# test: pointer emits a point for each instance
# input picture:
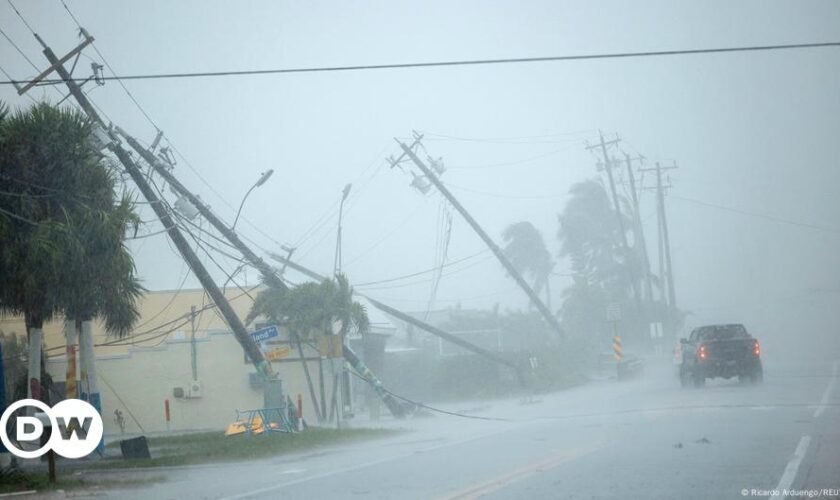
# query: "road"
(644, 438)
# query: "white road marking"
(793, 466)
(292, 471)
(824, 401)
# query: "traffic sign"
(263, 334)
(613, 312)
(618, 349)
(279, 353)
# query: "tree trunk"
(548, 294)
(71, 334)
(308, 379)
(89, 390)
(36, 336)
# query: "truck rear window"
(723, 332)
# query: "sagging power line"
(468, 62)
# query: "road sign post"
(263, 334)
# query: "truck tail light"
(701, 353)
(756, 348)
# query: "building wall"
(137, 373)
(138, 382)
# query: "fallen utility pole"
(163, 214)
(535, 299)
(407, 318)
(270, 274)
(442, 334)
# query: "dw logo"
(76, 428)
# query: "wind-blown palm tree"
(526, 249)
(308, 311)
(603, 271)
(62, 246)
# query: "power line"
(19, 51)
(468, 62)
(507, 139)
(425, 271)
(427, 280)
(154, 124)
(757, 214)
(171, 300)
(108, 65)
(20, 16)
(390, 233)
(510, 197)
(509, 163)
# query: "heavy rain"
(419, 250)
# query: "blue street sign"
(264, 334)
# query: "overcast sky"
(755, 132)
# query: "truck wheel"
(699, 380)
(684, 378)
(757, 375)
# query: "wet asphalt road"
(644, 438)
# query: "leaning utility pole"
(535, 299)
(663, 226)
(608, 167)
(162, 213)
(639, 229)
(267, 271)
(270, 274)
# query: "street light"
(342, 380)
(263, 177)
(337, 264)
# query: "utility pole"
(623, 240)
(535, 299)
(663, 227)
(270, 274)
(639, 229)
(666, 241)
(267, 271)
(162, 213)
(193, 354)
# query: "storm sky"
(755, 133)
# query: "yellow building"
(140, 373)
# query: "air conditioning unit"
(195, 389)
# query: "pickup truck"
(720, 351)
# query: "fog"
(749, 131)
(752, 208)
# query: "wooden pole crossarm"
(88, 40)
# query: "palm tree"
(526, 249)
(603, 272)
(589, 236)
(63, 250)
(308, 311)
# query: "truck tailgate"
(729, 350)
